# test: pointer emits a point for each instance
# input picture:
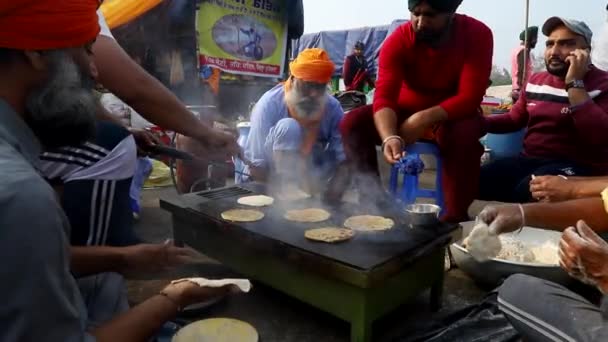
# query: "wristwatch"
(578, 84)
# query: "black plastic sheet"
(474, 323)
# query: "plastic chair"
(409, 190)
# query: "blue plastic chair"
(409, 188)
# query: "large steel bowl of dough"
(493, 272)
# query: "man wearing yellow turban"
(46, 100)
(297, 122)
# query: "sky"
(506, 18)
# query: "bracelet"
(523, 217)
(166, 295)
(580, 105)
(389, 138)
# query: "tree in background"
(500, 76)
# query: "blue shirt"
(39, 296)
(271, 108)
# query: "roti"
(242, 215)
(368, 223)
(307, 215)
(329, 234)
(256, 201)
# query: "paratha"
(256, 201)
(368, 223)
(329, 234)
(243, 284)
(242, 215)
(307, 215)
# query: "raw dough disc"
(256, 201)
(242, 215)
(368, 223)
(217, 330)
(307, 215)
(329, 234)
(243, 284)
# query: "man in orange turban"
(46, 100)
(294, 126)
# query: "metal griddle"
(357, 280)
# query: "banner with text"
(243, 36)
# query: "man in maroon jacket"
(432, 76)
(565, 112)
(354, 70)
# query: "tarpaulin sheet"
(339, 44)
(119, 12)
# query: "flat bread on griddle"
(256, 201)
(368, 223)
(329, 234)
(242, 215)
(307, 215)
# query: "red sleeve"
(346, 75)
(512, 121)
(390, 71)
(591, 121)
(474, 75)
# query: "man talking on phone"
(565, 113)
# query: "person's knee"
(286, 135)
(513, 287)
(356, 122)
(461, 136)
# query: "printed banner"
(243, 36)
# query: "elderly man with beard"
(40, 297)
(433, 73)
(565, 113)
(294, 126)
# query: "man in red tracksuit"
(432, 76)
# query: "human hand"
(584, 255)
(226, 143)
(146, 259)
(551, 188)
(144, 138)
(393, 150)
(187, 293)
(579, 65)
(503, 218)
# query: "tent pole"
(525, 69)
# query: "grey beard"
(61, 112)
(305, 108)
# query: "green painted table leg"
(361, 330)
(437, 290)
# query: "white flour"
(515, 250)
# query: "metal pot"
(423, 214)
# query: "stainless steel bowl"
(423, 214)
(492, 272)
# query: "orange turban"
(47, 24)
(312, 65)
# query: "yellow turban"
(312, 65)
